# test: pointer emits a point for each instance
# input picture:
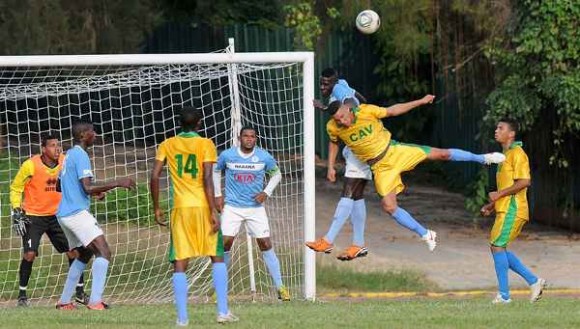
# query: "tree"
(539, 73)
(74, 27)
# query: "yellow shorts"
(399, 158)
(506, 228)
(192, 236)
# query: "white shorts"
(256, 221)
(354, 167)
(80, 229)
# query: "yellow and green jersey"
(366, 137)
(516, 166)
(185, 155)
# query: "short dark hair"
(329, 72)
(244, 128)
(45, 138)
(190, 118)
(350, 101)
(513, 124)
(79, 127)
(333, 107)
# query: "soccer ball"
(368, 21)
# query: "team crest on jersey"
(255, 158)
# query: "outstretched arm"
(402, 108)
(92, 189)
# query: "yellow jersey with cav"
(366, 137)
(516, 166)
(185, 155)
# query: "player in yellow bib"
(194, 224)
(511, 207)
(361, 129)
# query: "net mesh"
(133, 109)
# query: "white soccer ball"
(368, 21)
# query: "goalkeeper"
(36, 213)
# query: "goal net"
(132, 101)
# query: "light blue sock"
(100, 268)
(500, 260)
(461, 155)
(273, 265)
(406, 220)
(517, 266)
(227, 258)
(220, 282)
(343, 210)
(180, 293)
(74, 273)
(358, 218)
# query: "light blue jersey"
(77, 166)
(342, 91)
(245, 175)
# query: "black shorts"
(40, 225)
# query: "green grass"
(343, 280)
(416, 313)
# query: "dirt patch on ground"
(461, 259)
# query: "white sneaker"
(225, 318)
(430, 239)
(499, 300)
(536, 290)
(181, 324)
(494, 157)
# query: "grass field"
(359, 313)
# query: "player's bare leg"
(228, 242)
(273, 265)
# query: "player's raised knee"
(264, 244)
(389, 203)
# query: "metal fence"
(457, 121)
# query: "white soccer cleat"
(499, 300)
(537, 289)
(430, 239)
(225, 318)
(495, 157)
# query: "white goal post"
(132, 100)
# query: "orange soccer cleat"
(320, 245)
(353, 252)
